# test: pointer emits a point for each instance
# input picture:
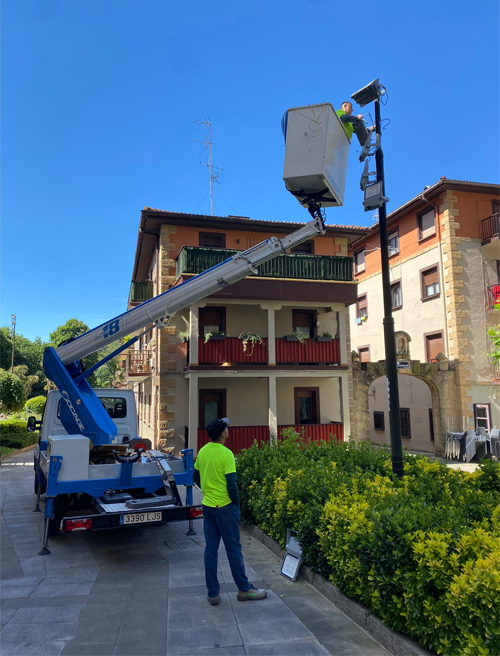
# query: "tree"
(69, 330)
(106, 375)
(28, 381)
(28, 353)
(12, 395)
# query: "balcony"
(317, 432)
(138, 366)
(140, 291)
(309, 352)
(230, 349)
(493, 296)
(490, 228)
(193, 260)
(240, 437)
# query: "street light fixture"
(375, 198)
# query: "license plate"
(140, 518)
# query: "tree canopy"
(12, 394)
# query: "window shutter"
(435, 345)
(427, 224)
(430, 276)
(364, 355)
(360, 261)
(362, 302)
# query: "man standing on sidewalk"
(215, 474)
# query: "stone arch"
(438, 376)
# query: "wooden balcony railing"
(138, 363)
(240, 437)
(230, 349)
(490, 227)
(140, 291)
(309, 352)
(493, 295)
(193, 259)
(317, 432)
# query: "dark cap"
(217, 427)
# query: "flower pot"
(216, 338)
(291, 338)
(320, 338)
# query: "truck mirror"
(31, 424)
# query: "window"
(482, 416)
(115, 407)
(364, 353)
(212, 240)
(431, 425)
(430, 282)
(393, 243)
(306, 248)
(397, 298)
(304, 322)
(359, 261)
(426, 224)
(404, 413)
(362, 307)
(306, 405)
(212, 320)
(379, 421)
(434, 344)
(212, 406)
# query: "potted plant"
(249, 341)
(325, 337)
(219, 335)
(296, 337)
(183, 336)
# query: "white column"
(271, 330)
(344, 404)
(273, 406)
(193, 336)
(342, 336)
(193, 412)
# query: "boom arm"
(83, 412)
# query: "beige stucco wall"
(246, 399)
(245, 318)
(488, 394)
(329, 398)
(284, 325)
(413, 394)
(146, 413)
(415, 317)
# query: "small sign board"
(293, 557)
(403, 364)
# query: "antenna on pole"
(208, 144)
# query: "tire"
(140, 442)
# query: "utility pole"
(208, 144)
(12, 330)
(375, 198)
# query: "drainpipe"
(441, 268)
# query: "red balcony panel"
(230, 349)
(318, 432)
(310, 352)
(240, 437)
(493, 295)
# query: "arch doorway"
(415, 401)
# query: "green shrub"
(422, 552)
(36, 404)
(12, 394)
(13, 426)
(18, 440)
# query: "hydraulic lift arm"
(82, 412)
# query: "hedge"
(18, 440)
(423, 552)
(13, 426)
(36, 404)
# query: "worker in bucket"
(348, 120)
(215, 474)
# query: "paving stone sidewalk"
(141, 591)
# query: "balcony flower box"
(291, 338)
(322, 338)
(215, 338)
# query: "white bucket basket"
(317, 151)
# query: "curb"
(395, 643)
(14, 453)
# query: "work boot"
(252, 593)
(214, 601)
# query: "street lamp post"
(376, 190)
(12, 329)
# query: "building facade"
(444, 260)
(270, 351)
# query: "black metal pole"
(391, 366)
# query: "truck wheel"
(139, 443)
(43, 486)
(60, 506)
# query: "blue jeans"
(223, 523)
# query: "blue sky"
(99, 102)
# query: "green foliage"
(422, 552)
(219, 333)
(69, 330)
(12, 394)
(13, 426)
(28, 353)
(107, 374)
(249, 341)
(18, 440)
(36, 404)
(300, 337)
(493, 333)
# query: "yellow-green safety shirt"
(348, 127)
(214, 461)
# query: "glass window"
(304, 322)
(397, 299)
(393, 243)
(430, 282)
(306, 248)
(434, 344)
(359, 261)
(362, 307)
(405, 422)
(212, 240)
(426, 225)
(379, 420)
(306, 405)
(115, 407)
